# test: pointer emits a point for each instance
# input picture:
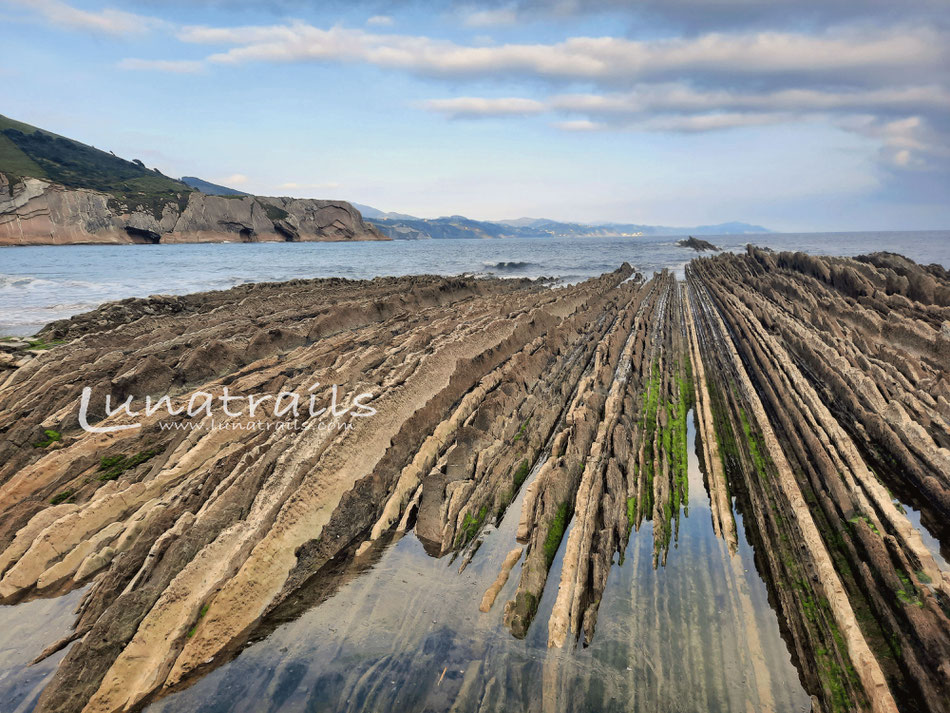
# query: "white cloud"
(681, 97)
(853, 76)
(889, 115)
(694, 83)
(491, 18)
(910, 142)
(580, 125)
(380, 21)
(108, 21)
(235, 179)
(473, 107)
(863, 55)
(678, 107)
(714, 121)
(178, 66)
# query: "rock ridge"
(821, 393)
(38, 212)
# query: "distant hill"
(211, 189)
(456, 227)
(156, 202)
(370, 212)
(524, 222)
(54, 190)
(26, 151)
(731, 228)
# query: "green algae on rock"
(554, 436)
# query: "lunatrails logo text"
(285, 405)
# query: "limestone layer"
(818, 389)
(37, 212)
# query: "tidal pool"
(398, 630)
(28, 628)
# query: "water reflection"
(401, 631)
(28, 629)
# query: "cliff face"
(37, 212)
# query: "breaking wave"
(509, 265)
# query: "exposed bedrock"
(697, 244)
(37, 212)
(828, 408)
(817, 386)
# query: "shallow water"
(39, 284)
(28, 628)
(403, 633)
(399, 630)
(931, 542)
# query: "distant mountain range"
(401, 226)
(125, 201)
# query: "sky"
(799, 115)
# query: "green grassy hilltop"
(26, 151)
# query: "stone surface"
(35, 212)
(819, 387)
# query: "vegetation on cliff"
(26, 151)
(57, 190)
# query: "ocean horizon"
(40, 284)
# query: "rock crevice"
(818, 388)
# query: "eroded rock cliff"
(38, 212)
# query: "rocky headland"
(34, 211)
(820, 389)
(58, 191)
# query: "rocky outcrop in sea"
(697, 244)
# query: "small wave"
(29, 314)
(22, 282)
(29, 282)
(509, 265)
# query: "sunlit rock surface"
(624, 475)
(38, 212)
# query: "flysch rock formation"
(819, 388)
(696, 244)
(37, 212)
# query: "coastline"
(39, 212)
(190, 238)
(40, 284)
(815, 383)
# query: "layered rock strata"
(818, 389)
(815, 402)
(37, 212)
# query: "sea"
(39, 284)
